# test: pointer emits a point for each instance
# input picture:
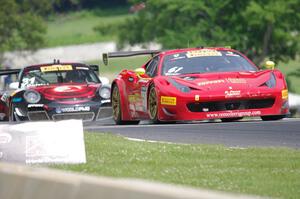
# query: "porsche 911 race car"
(197, 84)
(57, 91)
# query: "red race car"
(197, 84)
(56, 91)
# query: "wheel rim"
(116, 103)
(152, 103)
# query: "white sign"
(43, 142)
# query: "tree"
(259, 28)
(20, 28)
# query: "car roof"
(51, 64)
(170, 52)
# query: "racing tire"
(12, 117)
(153, 105)
(272, 117)
(117, 108)
(233, 119)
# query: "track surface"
(283, 133)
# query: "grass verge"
(271, 172)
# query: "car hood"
(221, 81)
(66, 91)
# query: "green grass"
(78, 27)
(271, 172)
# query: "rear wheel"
(272, 117)
(233, 119)
(117, 108)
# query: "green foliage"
(272, 172)
(20, 28)
(259, 28)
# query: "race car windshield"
(39, 77)
(205, 61)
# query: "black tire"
(272, 117)
(12, 117)
(233, 119)
(117, 109)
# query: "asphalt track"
(252, 133)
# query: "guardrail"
(19, 181)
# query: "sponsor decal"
(73, 109)
(197, 98)
(133, 98)
(4, 97)
(203, 53)
(165, 100)
(2, 116)
(234, 114)
(144, 91)
(105, 101)
(56, 68)
(67, 88)
(17, 99)
(232, 93)
(5, 138)
(237, 80)
(285, 94)
(218, 81)
(35, 105)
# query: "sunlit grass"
(271, 172)
(78, 27)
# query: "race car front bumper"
(197, 107)
(89, 111)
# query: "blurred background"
(36, 31)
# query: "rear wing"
(94, 67)
(105, 56)
(9, 71)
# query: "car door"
(142, 86)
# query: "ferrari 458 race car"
(197, 84)
(58, 91)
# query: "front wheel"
(272, 117)
(153, 105)
(117, 108)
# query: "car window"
(38, 76)
(151, 68)
(205, 61)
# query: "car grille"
(104, 112)
(80, 116)
(230, 105)
(38, 115)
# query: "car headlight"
(271, 83)
(104, 92)
(32, 96)
(182, 88)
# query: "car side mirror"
(14, 85)
(140, 71)
(269, 65)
